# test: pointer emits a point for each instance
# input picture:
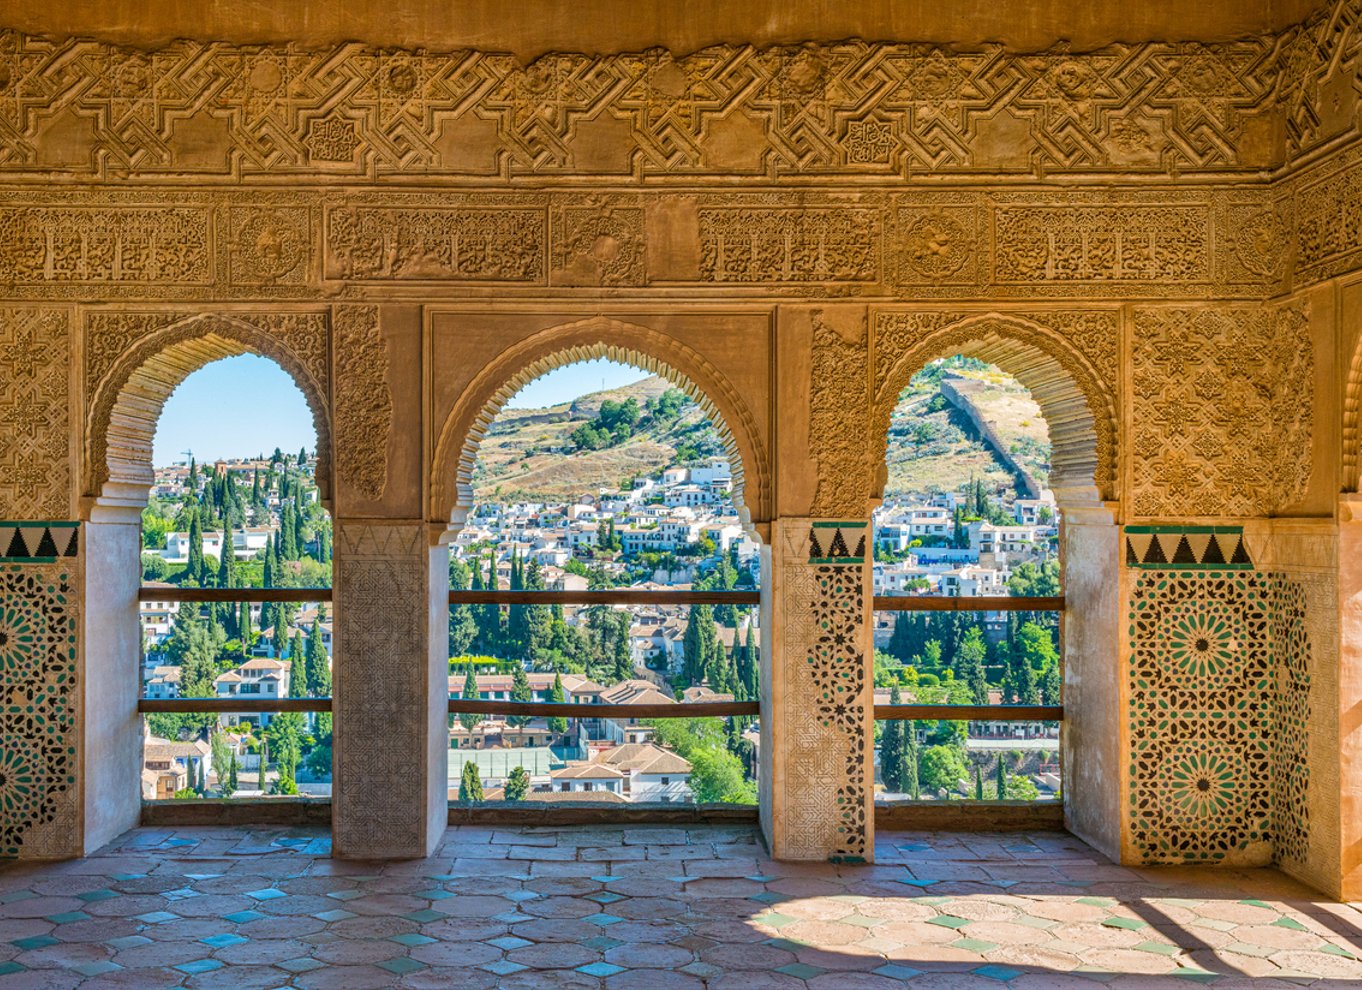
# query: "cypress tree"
(910, 757)
(298, 540)
(232, 770)
(699, 642)
(969, 664)
(478, 612)
(891, 749)
(193, 480)
(297, 666)
(1002, 779)
(520, 691)
(194, 570)
(227, 559)
(900, 640)
(470, 785)
(202, 785)
(264, 760)
(749, 672)
(516, 632)
(288, 533)
(1051, 685)
(491, 620)
(978, 782)
(558, 696)
(624, 659)
(470, 720)
(302, 457)
(318, 671)
(536, 619)
(297, 680)
(271, 562)
(517, 784)
(463, 630)
(244, 629)
(324, 544)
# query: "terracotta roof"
(586, 770)
(643, 758)
(635, 692)
(700, 692)
(163, 749)
(600, 797)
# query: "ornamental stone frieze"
(1115, 243)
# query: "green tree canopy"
(942, 768)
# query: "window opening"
(968, 596)
(236, 576)
(603, 600)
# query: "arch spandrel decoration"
(134, 361)
(599, 337)
(1078, 405)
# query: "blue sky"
(567, 383)
(248, 405)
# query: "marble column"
(390, 689)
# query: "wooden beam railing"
(234, 594)
(972, 713)
(241, 703)
(620, 596)
(549, 709)
(692, 709)
(990, 603)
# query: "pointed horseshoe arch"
(599, 337)
(1079, 408)
(1351, 480)
(126, 404)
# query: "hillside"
(933, 445)
(528, 453)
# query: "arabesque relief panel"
(35, 369)
(163, 243)
(1222, 411)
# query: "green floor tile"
(1129, 924)
(974, 945)
(948, 921)
(1158, 948)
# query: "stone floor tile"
(253, 908)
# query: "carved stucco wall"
(169, 227)
(1222, 411)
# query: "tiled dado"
(38, 656)
(1218, 681)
